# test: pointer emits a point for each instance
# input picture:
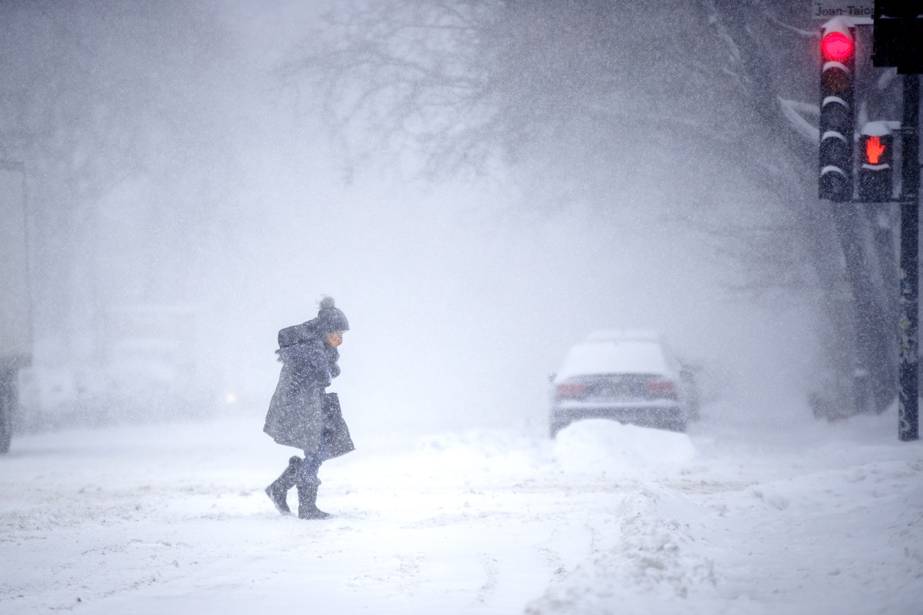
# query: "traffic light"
(898, 35)
(837, 133)
(876, 156)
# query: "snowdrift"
(599, 446)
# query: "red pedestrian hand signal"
(874, 150)
(875, 173)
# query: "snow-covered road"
(171, 518)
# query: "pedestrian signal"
(875, 168)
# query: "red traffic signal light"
(837, 47)
(837, 73)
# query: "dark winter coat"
(301, 414)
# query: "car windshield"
(614, 357)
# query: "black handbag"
(336, 440)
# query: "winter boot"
(307, 502)
(278, 489)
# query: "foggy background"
(170, 163)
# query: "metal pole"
(908, 417)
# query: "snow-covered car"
(628, 376)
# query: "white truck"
(15, 294)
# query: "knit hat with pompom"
(331, 318)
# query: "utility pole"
(898, 42)
(909, 421)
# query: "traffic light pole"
(908, 423)
(897, 35)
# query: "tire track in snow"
(646, 554)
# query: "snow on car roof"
(614, 357)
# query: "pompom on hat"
(331, 318)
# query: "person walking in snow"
(301, 414)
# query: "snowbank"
(608, 447)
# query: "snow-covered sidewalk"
(607, 519)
